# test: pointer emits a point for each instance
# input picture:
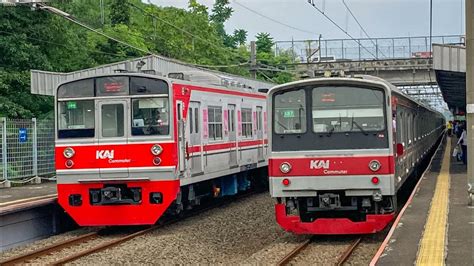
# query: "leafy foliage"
(35, 39)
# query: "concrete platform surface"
(423, 228)
(12, 195)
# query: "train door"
(232, 135)
(195, 140)
(112, 153)
(259, 121)
(181, 137)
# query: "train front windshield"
(329, 117)
(111, 100)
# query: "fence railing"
(303, 51)
(27, 148)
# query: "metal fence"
(27, 148)
(363, 49)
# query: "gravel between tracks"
(9, 253)
(242, 232)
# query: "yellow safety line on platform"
(432, 247)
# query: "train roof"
(359, 79)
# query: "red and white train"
(340, 150)
(130, 146)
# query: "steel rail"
(294, 252)
(348, 252)
(23, 258)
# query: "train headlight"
(374, 165)
(156, 150)
(285, 168)
(68, 152)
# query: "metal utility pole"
(253, 59)
(470, 96)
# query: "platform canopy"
(449, 63)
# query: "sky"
(380, 18)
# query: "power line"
(311, 2)
(361, 27)
(183, 30)
(70, 18)
(274, 20)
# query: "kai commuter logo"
(104, 154)
(319, 164)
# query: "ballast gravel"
(243, 232)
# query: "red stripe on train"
(324, 166)
(116, 156)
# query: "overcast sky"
(380, 18)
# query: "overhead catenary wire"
(184, 31)
(147, 52)
(272, 19)
(311, 2)
(361, 27)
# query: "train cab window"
(290, 112)
(76, 119)
(246, 122)
(140, 86)
(215, 122)
(77, 89)
(347, 109)
(150, 116)
(112, 120)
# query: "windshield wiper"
(359, 127)
(331, 131)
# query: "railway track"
(297, 251)
(89, 237)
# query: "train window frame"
(215, 123)
(303, 119)
(247, 125)
(150, 128)
(382, 107)
(70, 133)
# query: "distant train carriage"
(340, 149)
(131, 146)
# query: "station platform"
(27, 195)
(437, 225)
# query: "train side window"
(215, 122)
(196, 120)
(191, 121)
(259, 118)
(247, 122)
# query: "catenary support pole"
(470, 96)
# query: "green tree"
(240, 36)
(119, 12)
(264, 43)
